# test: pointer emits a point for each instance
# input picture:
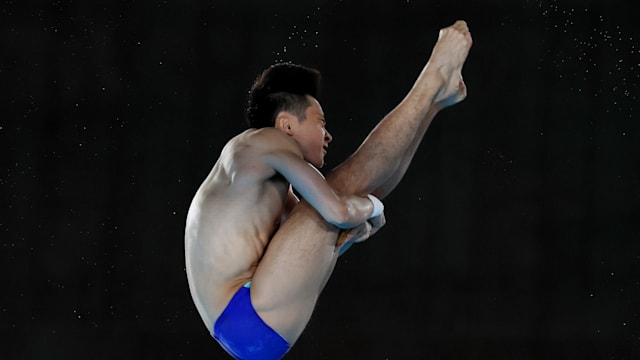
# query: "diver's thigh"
(293, 271)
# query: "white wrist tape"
(378, 206)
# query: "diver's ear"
(285, 122)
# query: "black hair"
(281, 87)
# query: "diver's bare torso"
(226, 233)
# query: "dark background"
(514, 235)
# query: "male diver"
(257, 257)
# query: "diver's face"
(312, 135)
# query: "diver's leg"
(301, 255)
(387, 151)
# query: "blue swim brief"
(243, 334)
